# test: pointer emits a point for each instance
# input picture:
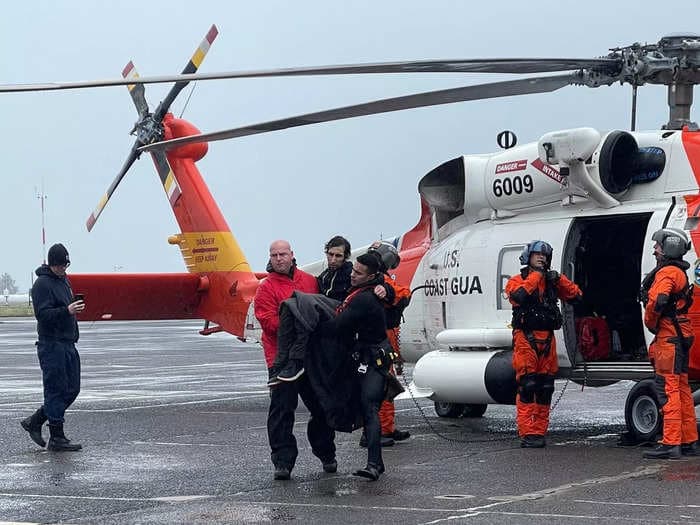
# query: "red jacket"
(268, 298)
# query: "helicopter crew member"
(360, 327)
(395, 303)
(534, 294)
(55, 309)
(667, 296)
(282, 280)
(334, 281)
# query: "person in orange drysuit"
(396, 297)
(667, 295)
(533, 294)
(395, 303)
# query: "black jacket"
(329, 367)
(335, 283)
(361, 321)
(51, 296)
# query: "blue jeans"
(60, 371)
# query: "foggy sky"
(357, 178)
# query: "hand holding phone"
(77, 305)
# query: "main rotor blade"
(133, 155)
(430, 98)
(505, 65)
(190, 68)
(137, 91)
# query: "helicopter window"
(691, 223)
(508, 266)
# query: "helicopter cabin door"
(511, 237)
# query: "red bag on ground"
(593, 338)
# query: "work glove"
(552, 276)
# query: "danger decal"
(516, 165)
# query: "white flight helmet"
(674, 242)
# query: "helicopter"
(595, 196)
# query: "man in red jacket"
(282, 280)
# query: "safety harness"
(376, 355)
(671, 309)
(535, 314)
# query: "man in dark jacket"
(360, 326)
(334, 281)
(55, 308)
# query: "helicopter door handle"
(572, 271)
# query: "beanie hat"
(58, 255)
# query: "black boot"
(664, 452)
(370, 472)
(398, 435)
(533, 441)
(58, 442)
(282, 473)
(384, 441)
(690, 449)
(33, 425)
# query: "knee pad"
(546, 390)
(527, 386)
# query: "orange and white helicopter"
(597, 197)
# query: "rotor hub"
(148, 130)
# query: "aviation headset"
(673, 241)
(536, 247)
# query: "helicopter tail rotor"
(149, 127)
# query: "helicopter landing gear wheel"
(643, 411)
(474, 410)
(451, 410)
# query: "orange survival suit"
(666, 295)
(536, 315)
(393, 311)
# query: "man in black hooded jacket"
(55, 309)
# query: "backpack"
(593, 338)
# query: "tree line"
(8, 283)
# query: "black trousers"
(60, 371)
(372, 390)
(284, 399)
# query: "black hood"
(45, 269)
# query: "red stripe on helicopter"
(174, 196)
(516, 165)
(211, 35)
(548, 170)
(205, 250)
(127, 69)
(691, 144)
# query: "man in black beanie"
(55, 308)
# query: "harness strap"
(533, 343)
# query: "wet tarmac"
(173, 429)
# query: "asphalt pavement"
(173, 429)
